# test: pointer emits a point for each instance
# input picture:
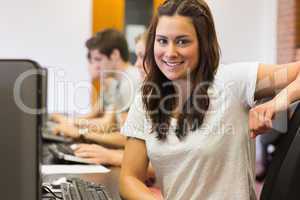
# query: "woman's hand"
(260, 118)
(97, 154)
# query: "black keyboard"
(60, 148)
(48, 135)
(78, 189)
(63, 153)
(65, 148)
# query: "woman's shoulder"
(238, 79)
(137, 123)
(235, 71)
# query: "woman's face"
(176, 45)
(140, 53)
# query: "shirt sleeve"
(244, 78)
(136, 123)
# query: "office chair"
(283, 178)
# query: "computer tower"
(20, 120)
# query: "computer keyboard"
(63, 152)
(47, 135)
(60, 149)
(64, 148)
(78, 189)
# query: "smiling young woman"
(174, 46)
(193, 116)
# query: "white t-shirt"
(121, 91)
(216, 161)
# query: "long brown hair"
(191, 117)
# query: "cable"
(51, 192)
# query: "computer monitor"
(44, 94)
(283, 177)
(20, 91)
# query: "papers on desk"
(73, 169)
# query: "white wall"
(246, 29)
(53, 33)
(247, 32)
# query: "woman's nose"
(171, 51)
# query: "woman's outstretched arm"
(279, 81)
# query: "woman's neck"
(183, 89)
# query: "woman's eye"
(162, 41)
(182, 42)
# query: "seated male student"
(97, 153)
(108, 57)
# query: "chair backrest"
(283, 178)
(20, 96)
